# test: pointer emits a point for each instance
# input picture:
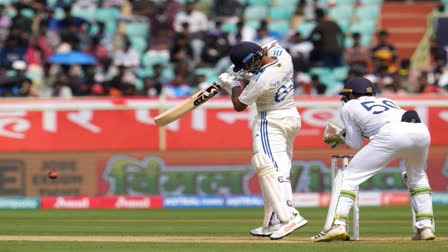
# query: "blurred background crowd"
(66, 48)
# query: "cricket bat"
(188, 105)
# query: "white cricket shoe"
(335, 233)
(286, 228)
(424, 234)
(265, 232)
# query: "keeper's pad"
(270, 187)
(335, 192)
(412, 193)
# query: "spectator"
(127, 56)
(227, 10)
(263, 37)
(327, 38)
(60, 90)
(384, 54)
(36, 56)
(11, 52)
(105, 39)
(158, 79)
(300, 50)
(24, 83)
(50, 20)
(5, 23)
(395, 87)
(90, 87)
(317, 87)
(197, 25)
(147, 11)
(97, 50)
(181, 50)
(22, 23)
(197, 21)
(216, 47)
(170, 10)
(177, 88)
(357, 56)
(150, 88)
(70, 20)
(246, 33)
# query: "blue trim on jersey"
(273, 63)
(257, 76)
(265, 139)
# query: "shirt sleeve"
(278, 52)
(254, 89)
(353, 137)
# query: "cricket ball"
(52, 175)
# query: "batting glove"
(241, 74)
(228, 82)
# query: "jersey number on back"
(384, 105)
(283, 91)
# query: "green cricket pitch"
(381, 229)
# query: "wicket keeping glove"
(335, 139)
(228, 82)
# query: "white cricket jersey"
(272, 88)
(365, 116)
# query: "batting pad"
(270, 186)
(335, 191)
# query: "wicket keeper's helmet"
(358, 86)
(246, 53)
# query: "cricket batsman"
(274, 129)
(393, 133)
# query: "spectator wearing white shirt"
(127, 56)
(197, 26)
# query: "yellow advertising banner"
(26, 174)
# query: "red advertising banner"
(132, 202)
(127, 124)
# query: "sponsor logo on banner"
(244, 201)
(395, 198)
(193, 201)
(369, 198)
(12, 177)
(125, 175)
(306, 199)
(64, 202)
(19, 203)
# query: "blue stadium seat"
(345, 2)
(364, 26)
(344, 25)
(27, 12)
(137, 29)
(289, 3)
(259, 2)
(254, 24)
(149, 60)
(282, 27)
(281, 12)
(228, 27)
(340, 73)
(306, 28)
(348, 42)
(321, 71)
(145, 72)
(367, 12)
(168, 72)
(341, 12)
(107, 14)
(139, 44)
(371, 2)
(84, 13)
(257, 12)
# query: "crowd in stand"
(190, 35)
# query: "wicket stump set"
(334, 167)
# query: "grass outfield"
(381, 229)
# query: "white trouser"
(410, 141)
(273, 134)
